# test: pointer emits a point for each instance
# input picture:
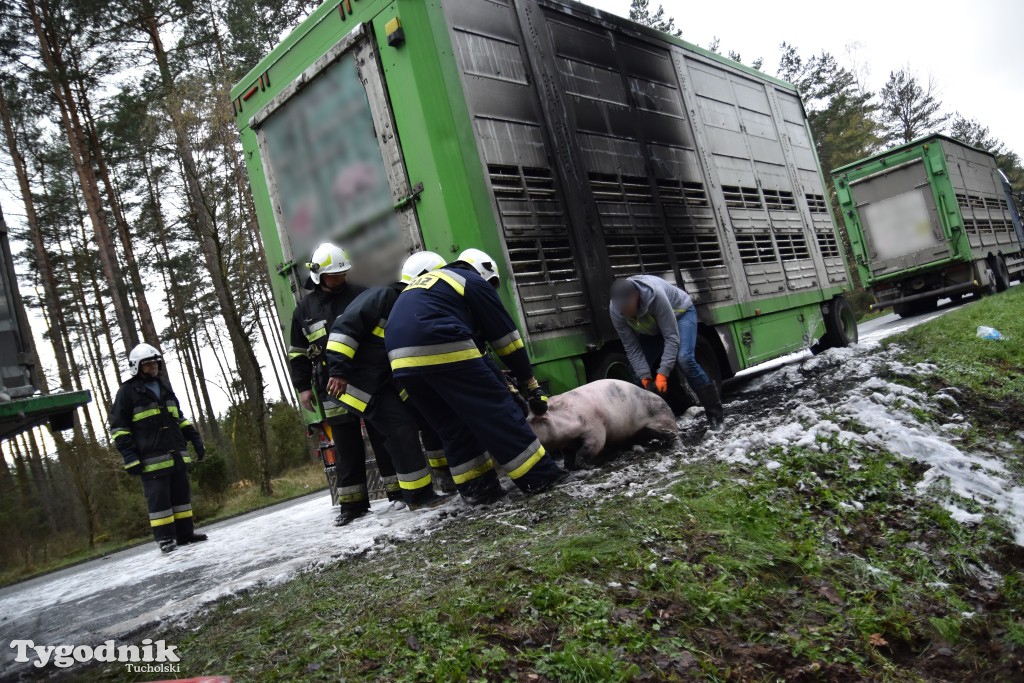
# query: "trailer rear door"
(334, 165)
(899, 218)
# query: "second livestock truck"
(574, 146)
(930, 219)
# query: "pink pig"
(608, 412)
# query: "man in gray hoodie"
(657, 324)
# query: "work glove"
(135, 470)
(648, 383)
(661, 382)
(197, 444)
(536, 397)
(306, 399)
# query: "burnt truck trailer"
(930, 219)
(22, 407)
(573, 145)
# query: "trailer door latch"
(408, 199)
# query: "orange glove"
(647, 382)
(661, 381)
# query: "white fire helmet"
(327, 259)
(484, 264)
(142, 353)
(419, 263)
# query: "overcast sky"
(975, 50)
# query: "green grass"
(993, 369)
(237, 500)
(716, 581)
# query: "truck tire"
(611, 364)
(1001, 272)
(840, 326)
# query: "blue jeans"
(654, 345)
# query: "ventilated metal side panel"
(981, 198)
(639, 157)
(528, 201)
(764, 208)
(823, 228)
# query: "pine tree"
(640, 12)
(910, 108)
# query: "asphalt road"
(123, 593)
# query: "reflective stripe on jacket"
(355, 346)
(433, 322)
(148, 429)
(307, 342)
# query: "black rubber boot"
(708, 395)
(559, 478)
(483, 495)
(349, 515)
(442, 479)
(168, 545)
(195, 538)
(429, 501)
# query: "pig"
(609, 412)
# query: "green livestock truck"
(573, 145)
(22, 407)
(930, 219)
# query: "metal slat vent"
(638, 254)
(540, 253)
(779, 200)
(756, 247)
(682, 193)
(816, 203)
(792, 246)
(737, 197)
(828, 244)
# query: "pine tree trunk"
(188, 336)
(52, 56)
(245, 357)
(123, 232)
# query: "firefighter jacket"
(434, 323)
(311, 323)
(150, 430)
(355, 346)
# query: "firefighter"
(360, 377)
(657, 324)
(152, 435)
(433, 354)
(329, 296)
(488, 270)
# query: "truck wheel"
(840, 326)
(993, 285)
(610, 365)
(1002, 273)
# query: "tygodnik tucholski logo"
(149, 657)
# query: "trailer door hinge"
(408, 199)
